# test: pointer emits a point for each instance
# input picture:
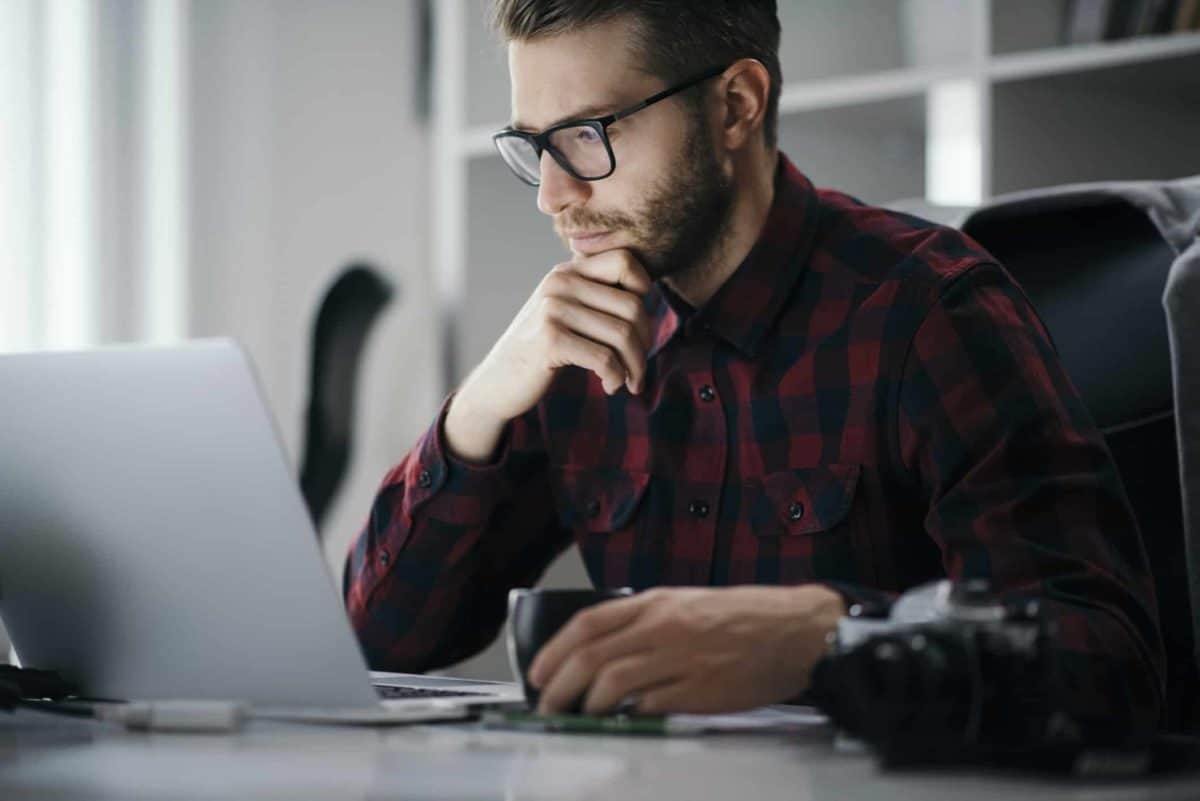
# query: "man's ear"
(745, 88)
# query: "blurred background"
(173, 169)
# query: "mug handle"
(514, 597)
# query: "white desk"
(46, 759)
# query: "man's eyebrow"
(585, 113)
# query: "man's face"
(668, 199)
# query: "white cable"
(223, 717)
(196, 717)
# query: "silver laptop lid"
(153, 541)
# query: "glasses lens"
(584, 148)
(521, 157)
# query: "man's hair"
(676, 38)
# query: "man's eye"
(588, 136)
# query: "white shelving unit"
(950, 101)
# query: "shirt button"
(698, 508)
(796, 511)
(384, 558)
(707, 394)
(593, 509)
(424, 479)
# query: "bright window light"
(18, 194)
(69, 169)
(954, 144)
(164, 246)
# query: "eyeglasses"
(580, 147)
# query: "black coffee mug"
(535, 616)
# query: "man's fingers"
(615, 267)
(567, 347)
(589, 624)
(591, 661)
(618, 334)
(624, 676)
(574, 676)
(674, 696)
(602, 297)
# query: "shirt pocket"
(598, 500)
(804, 501)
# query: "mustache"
(591, 221)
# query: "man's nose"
(559, 189)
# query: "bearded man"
(757, 402)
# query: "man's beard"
(684, 218)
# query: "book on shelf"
(1158, 16)
(1125, 19)
(1089, 21)
(1187, 16)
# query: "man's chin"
(587, 250)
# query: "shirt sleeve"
(426, 581)
(1022, 491)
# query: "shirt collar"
(748, 303)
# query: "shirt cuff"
(453, 490)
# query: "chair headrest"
(1094, 266)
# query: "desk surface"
(45, 758)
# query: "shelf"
(853, 91)
(1172, 82)
(1081, 58)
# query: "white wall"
(305, 153)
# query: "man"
(768, 402)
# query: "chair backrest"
(1095, 265)
(1181, 301)
(344, 318)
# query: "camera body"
(951, 674)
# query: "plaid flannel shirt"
(869, 402)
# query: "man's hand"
(688, 650)
(586, 313)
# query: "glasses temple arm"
(664, 94)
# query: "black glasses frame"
(541, 141)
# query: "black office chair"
(344, 318)
(1094, 266)
(1181, 301)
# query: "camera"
(953, 674)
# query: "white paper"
(767, 719)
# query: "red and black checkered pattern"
(869, 402)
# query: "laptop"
(154, 543)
